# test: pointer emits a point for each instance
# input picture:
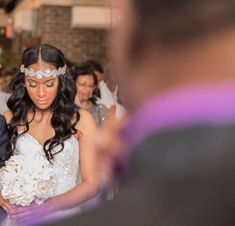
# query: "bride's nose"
(41, 91)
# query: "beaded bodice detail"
(65, 163)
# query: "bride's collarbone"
(39, 133)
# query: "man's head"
(156, 33)
(97, 68)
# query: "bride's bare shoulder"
(86, 121)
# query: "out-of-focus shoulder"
(8, 116)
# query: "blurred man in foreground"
(178, 79)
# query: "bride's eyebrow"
(31, 80)
(50, 80)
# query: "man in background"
(3, 140)
(107, 90)
(107, 96)
(178, 59)
(3, 152)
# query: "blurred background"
(78, 27)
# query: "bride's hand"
(5, 204)
(31, 214)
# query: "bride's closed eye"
(50, 84)
(32, 84)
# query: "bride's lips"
(41, 102)
(86, 94)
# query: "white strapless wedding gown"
(65, 165)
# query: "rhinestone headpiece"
(40, 74)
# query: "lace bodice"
(65, 163)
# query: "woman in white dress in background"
(43, 119)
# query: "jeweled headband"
(40, 74)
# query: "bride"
(44, 119)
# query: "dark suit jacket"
(3, 153)
(180, 178)
(3, 140)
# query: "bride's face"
(42, 91)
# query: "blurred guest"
(98, 69)
(107, 89)
(7, 75)
(108, 96)
(4, 86)
(112, 96)
(86, 82)
(3, 101)
(2, 81)
(179, 57)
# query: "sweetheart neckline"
(36, 141)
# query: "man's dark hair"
(172, 22)
(95, 66)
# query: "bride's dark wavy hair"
(65, 112)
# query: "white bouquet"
(27, 178)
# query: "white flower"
(27, 178)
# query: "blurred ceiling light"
(24, 20)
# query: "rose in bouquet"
(27, 178)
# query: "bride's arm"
(6, 205)
(90, 178)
